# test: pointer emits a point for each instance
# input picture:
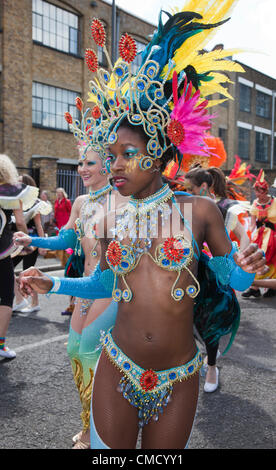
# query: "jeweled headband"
(167, 95)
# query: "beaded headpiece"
(167, 94)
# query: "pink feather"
(195, 120)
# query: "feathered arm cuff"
(97, 286)
(229, 273)
(66, 239)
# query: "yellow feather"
(212, 12)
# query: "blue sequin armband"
(97, 286)
(66, 239)
(229, 273)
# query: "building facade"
(43, 70)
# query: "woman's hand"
(252, 260)
(33, 280)
(21, 238)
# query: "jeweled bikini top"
(91, 211)
(139, 222)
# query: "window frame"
(53, 100)
(267, 105)
(241, 101)
(247, 132)
(266, 140)
(54, 39)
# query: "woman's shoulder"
(197, 201)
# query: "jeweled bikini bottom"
(149, 391)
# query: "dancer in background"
(201, 182)
(14, 198)
(88, 317)
(263, 222)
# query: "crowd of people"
(153, 302)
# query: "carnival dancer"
(263, 224)
(88, 317)
(14, 198)
(212, 300)
(147, 264)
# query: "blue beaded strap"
(229, 273)
(66, 239)
(187, 225)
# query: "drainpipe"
(272, 130)
(114, 33)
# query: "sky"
(251, 28)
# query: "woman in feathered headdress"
(150, 255)
(263, 222)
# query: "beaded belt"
(147, 390)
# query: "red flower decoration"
(148, 380)
(96, 112)
(173, 249)
(91, 60)
(127, 48)
(175, 132)
(114, 253)
(79, 103)
(68, 118)
(98, 32)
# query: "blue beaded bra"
(140, 217)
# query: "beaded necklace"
(138, 222)
(139, 219)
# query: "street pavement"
(39, 405)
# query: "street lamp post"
(114, 32)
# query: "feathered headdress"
(216, 155)
(240, 172)
(261, 183)
(167, 95)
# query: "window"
(245, 98)
(55, 27)
(263, 104)
(223, 135)
(243, 143)
(49, 105)
(261, 147)
(138, 59)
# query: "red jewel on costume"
(173, 250)
(175, 132)
(114, 253)
(79, 103)
(68, 118)
(96, 112)
(127, 48)
(91, 60)
(98, 32)
(148, 380)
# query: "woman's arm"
(242, 236)
(65, 239)
(97, 286)
(19, 220)
(232, 268)
(269, 283)
(38, 225)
